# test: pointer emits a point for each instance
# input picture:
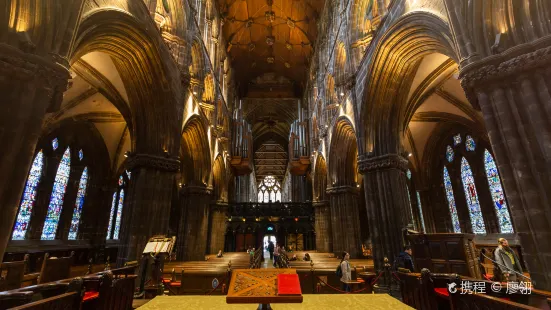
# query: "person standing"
(508, 261)
(271, 249)
(346, 271)
(276, 255)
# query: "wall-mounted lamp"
(342, 94)
(409, 155)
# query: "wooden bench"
(468, 301)
(55, 269)
(11, 275)
(55, 295)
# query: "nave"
(142, 136)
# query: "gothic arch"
(195, 153)
(220, 183)
(199, 64)
(343, 164)
(320, 180)
(392, 68)
(150, 75)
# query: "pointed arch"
(471, 195)
(81, 194)
(195, 153)
(56, 200)
(320, 180)
(220, 185)
(29, 197)
(343, 154)
(498, 195)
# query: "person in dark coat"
(404, 259)
(271, 249)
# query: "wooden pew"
(55, 269)
(482, 301)
(55, 295)
(14, 299)
(11, 275)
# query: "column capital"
(508, 64)
(368, 163)
(153, 161)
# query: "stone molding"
(317, 204)
(499, 67)
(368, 164)
(19, 65)
(334, 190)
(196, 190)
(153, 161)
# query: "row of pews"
(213, 275)
(54, 288)
(430, 291)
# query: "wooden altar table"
(258, 286)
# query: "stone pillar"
(386, 202)
(30, 86)
(513, 92)
(324, 235)
(217, 226)
(146, 210)
(345, 220)
(191, 242)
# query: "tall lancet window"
(421, 211)
(115, 216)
(75, 221)
(112, 215)
(29, 197)
(56, 200)
(477, 221)
(451, 201)
(494, 182)
(408, 175)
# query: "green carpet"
(311, 302)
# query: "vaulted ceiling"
(270, 36)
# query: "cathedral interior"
(326, 125)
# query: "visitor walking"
(346, 271)
(271, 249)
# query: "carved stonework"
(495, 69)
(152, 161)
(54, 77)
(390, 161)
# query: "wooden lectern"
(157, 249)
(445, 253)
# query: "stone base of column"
(191, 242)
(324, 237)
(345, 220)
(217, 227)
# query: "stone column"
(191, 242)
(30, 86)
(324, 235)
(345, 220)
(146, 210)
(386, 202)
(217, 229)
(513, 91)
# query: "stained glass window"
(477, 221)
(410, 207)
(119, 215)
(408, 174)
(469, 144)
(129, 174)
(29, 196)
(449, 153)
(78, 205)
(80, 155)
(451, 201)
(494, 182)
(121, 181)
(55, 144)
(456, 139)
(56, 200)
(112, 215)
(269, 190)
(420, 211)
